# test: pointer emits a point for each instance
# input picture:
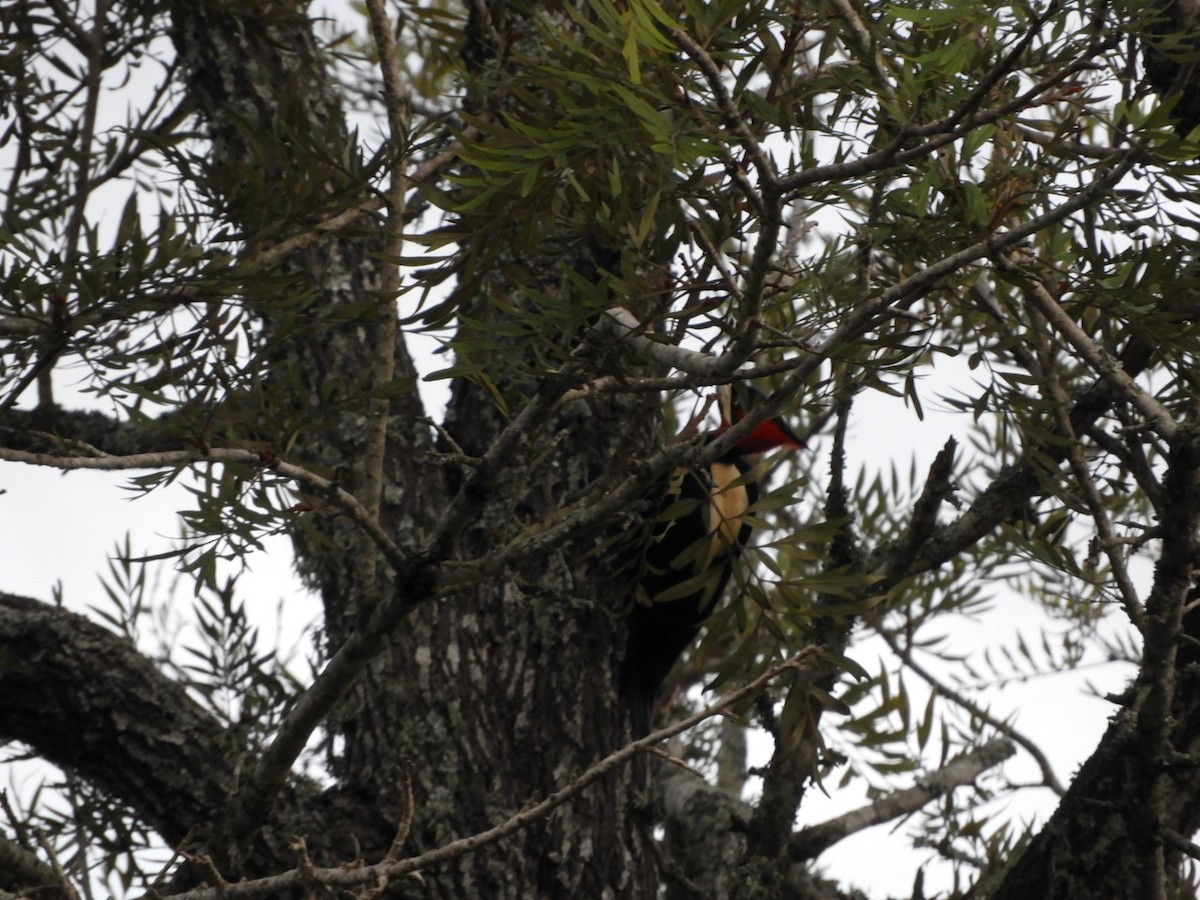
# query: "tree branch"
(384, 352)
(1174, 576)
(22, 871)
(946, 131)
(1113, 549)
(862, 41)
(88, 702)
(811, 842)
(1104, 364)
(178, 459)
(939, 486)
(767, 199)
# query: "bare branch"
(939, 487)
(811, 842)
(384, 351)
(694, 362)
(178, 459)
(1109, 543)
(1179, 842)
(62, 882)
(22, 870)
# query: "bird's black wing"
(686, 566)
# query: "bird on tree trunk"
(698, 534)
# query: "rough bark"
(1170, 52)
(476, 686)
(508, 685)
(91, 703)
(88, 701)
(273, 76)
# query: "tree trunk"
(480, 682)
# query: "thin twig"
(60, 875)
(404, 829)
(1107, 366)
(768, 199)
(1109, 543)
(384, 352)
(1179, 842)
(905, 654)
(177, 854)
(868, 50)
(178, 459)
(729, 110)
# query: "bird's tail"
(640, 701)
(655, 642)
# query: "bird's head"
(770, 434)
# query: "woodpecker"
(700, 532)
